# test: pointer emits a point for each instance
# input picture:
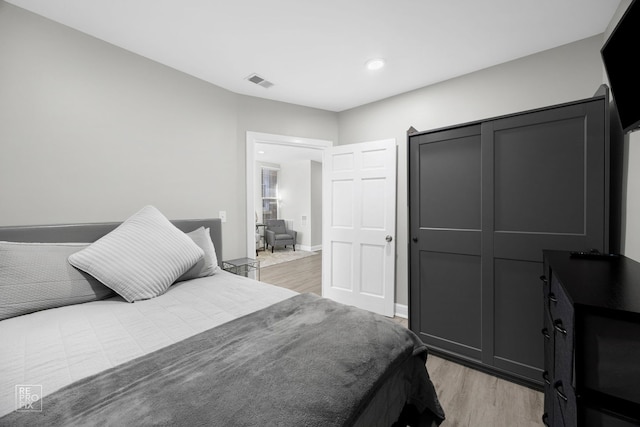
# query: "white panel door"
(359, 211)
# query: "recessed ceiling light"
(260, 152)
(375, 64)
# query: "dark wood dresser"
(591, 341)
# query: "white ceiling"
(315, 52)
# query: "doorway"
(287, 147)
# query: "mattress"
(56, 347)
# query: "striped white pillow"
(141, 258)
(208, 265)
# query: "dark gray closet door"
(445, 239)
(543, 188)
(485, 199)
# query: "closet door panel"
(449, 203)
(449, 184)
(450, 300)
(451, 241)
(518, 316)
(549, 181)
(445, 239)
(538, 166)
(548, 185)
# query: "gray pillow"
(208, 265)
(141, 258)
(37, 276)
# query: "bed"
(218, 349)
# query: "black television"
(621, 64)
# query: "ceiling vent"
(254, 78)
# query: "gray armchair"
(277, 234)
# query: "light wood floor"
(302, 275)
(473, 398)
(469, 397)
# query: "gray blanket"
(306, 361)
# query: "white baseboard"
(309, 248)
(402, 311)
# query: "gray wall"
(90, 132)
(294, 189)
(563, 74)
(316, 204)
(300, 187)
(631, 174)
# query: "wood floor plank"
(303, 275)
(472, 398)
(469, 397)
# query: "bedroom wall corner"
(294, 188)
(91, 132)
(630, 227)
(563, 74)
(316, 205)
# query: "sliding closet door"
(485, 199)
(546, 191)
(445, 224)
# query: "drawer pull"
(545, 333)
(544, 279)
(545, 419)
(545, 377)
(558, 326)
(560, 392)
(552, 297)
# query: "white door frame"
(267, 138)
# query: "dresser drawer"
(549, 350)
(546, 285)
(549, 402)
(562, 322)
(565, 405)
(559, 303)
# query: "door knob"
(388, 238)
(415, 239)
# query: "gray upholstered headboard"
(92, 232)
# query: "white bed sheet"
(56, 347)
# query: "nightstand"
(242, 266)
